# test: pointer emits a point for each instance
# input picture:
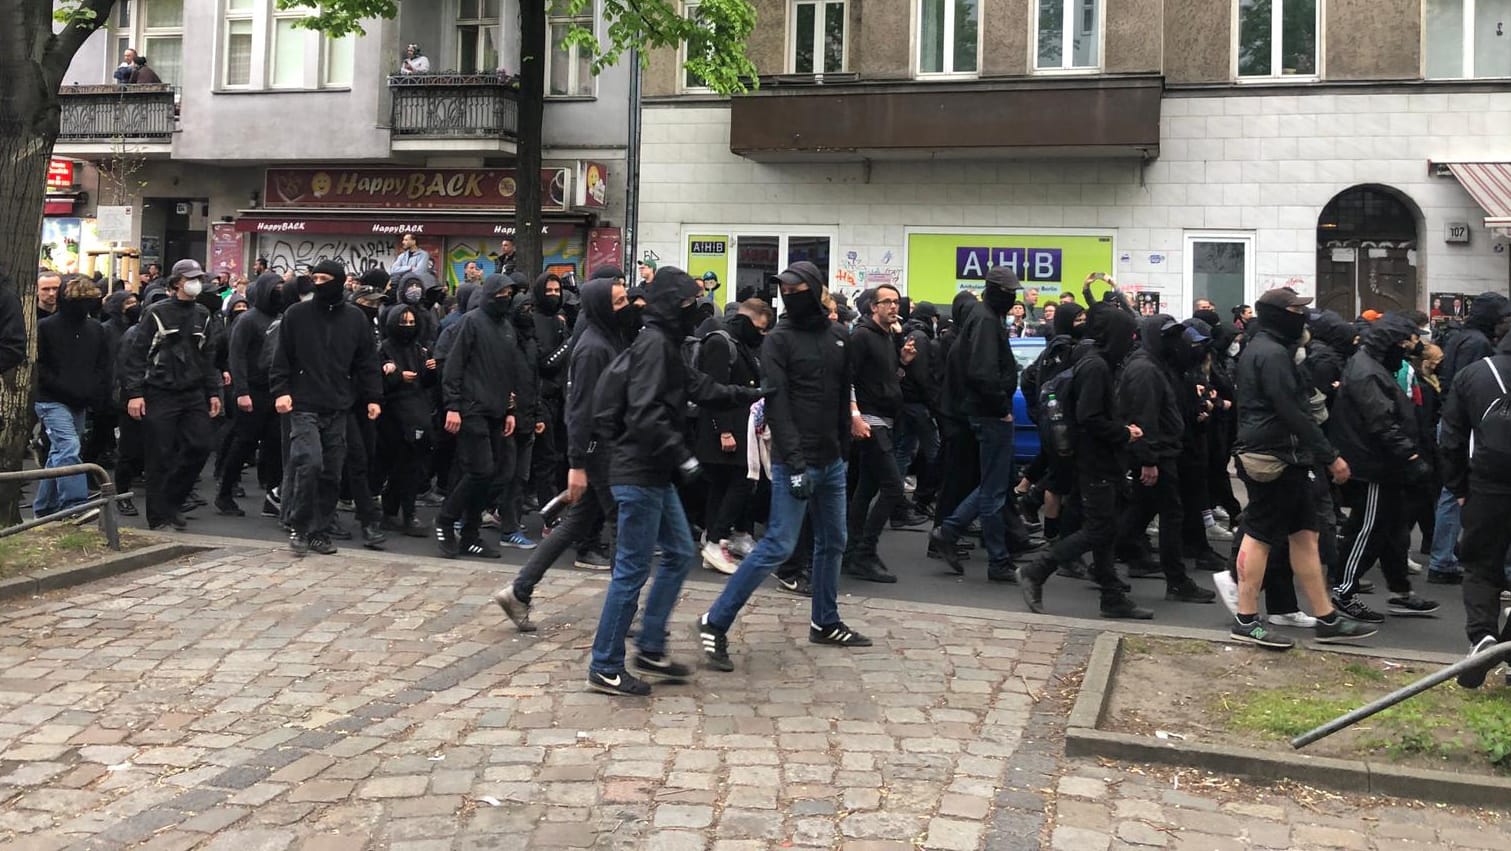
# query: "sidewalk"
(249, 700)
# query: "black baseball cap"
(801, 272)
(1284, 298)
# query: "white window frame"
(1188, 261)
(482, 24)
(229, 16)
(1466, 71)
(1067, 40)
(820, 14)
(783, 233)
(134, 33)
(588, 20)
(1277, 47)
(949, 71)
(689, 10)
(317, 51)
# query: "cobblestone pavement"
(245, 700)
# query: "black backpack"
(1057, 412)
(692, 347)
(1051, 362)
(1490, 441)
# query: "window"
(690, 82)
(949, 36)
(1070, 34)
(477, 34)
(1277, 38)
(287, 55)
(1219, 268)
(236, 70)
(569, 70)
(818, 36)
(264, 47)
(1468, 38)
(156, 29)
(339, 56)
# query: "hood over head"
(376, 277)
(609, 272)
(235, 299)
(115, 303)
(1332, 330)
(962, 305)
(1065, 319)
(464, 297)
(1112, 329)
(1388, 332)
(538, 289)
(267, 293)
(663, 298)
(391, 319)
(1487, 311)
(925, 310)
(492, 286)
(598, 305)
(1152, 331)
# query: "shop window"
(477, 34)
(1277, 38)
(569, 69)
(949, 36)
(1220, 269)
(1069, 34)
(1468, 39)
(818, 36)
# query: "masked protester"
(131, 458)
(102, 446)
(406, 430)
(73, 373)
(530, 424)
(547, 472)
(255, 429)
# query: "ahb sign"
(939, 265)
(1036, 265)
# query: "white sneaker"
(1227, 590)
(909, 484)
(490, 520)
(740, 545)
(1219, 533)
(1220, 515)
(717, 558)
(1413, 566)
(1296, 619)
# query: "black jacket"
(174, 351)
(73, 361)
(482, 370)
(1273, 413)
(961, 308)
(1148, 394)
(982, 373)
(325, 359)
(250, 333)
(527, 400)
(597, 340)
(923, 379)
(551, 343)
(12, 330)
(1472, 342)
(1331, 346)
(406, 404)
(1373, 424)
(808, 410)
(1101, 431)
(725, 360)
(1463, 406)
(873, 370)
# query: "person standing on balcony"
(410, 259)
(127, 68)
(144, 75)
(415, 62)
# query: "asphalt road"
(928, 581)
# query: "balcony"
(454, 113)
(805, 119)
(114, 120)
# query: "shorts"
(1060, 477)
(1281, 508)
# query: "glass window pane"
(238, 53)
(802, 59)
(966, 35)
(757, 259)
(931, 36)
(240, 5)
(487, 49)
(468, 10)
(814, 249)
(1445, 38)
(1298, 37)
(1254, 38)
(123, 9)
(1492, 38)
(166, 56)
(466, 49)
(834, 37)
(1218, 273)
(288, 53)
(1051, 21)
(490, 8)
(164, 13)
(584, 74)
(561, 62)
(339, 55)
(1087, 42)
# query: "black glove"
(689, 471)
(751, 395)
(799, 485)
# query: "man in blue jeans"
(639, 411)
(980, 379)
(808, 413)
(73, 363)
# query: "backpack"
(611, 400)
(1057, 412)
(1054, 359)
(692, 348)
(1490, 441)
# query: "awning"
(1490, 186)
(302, 222)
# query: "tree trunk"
(532, 106)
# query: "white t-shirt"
(417, 65)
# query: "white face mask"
(306, 296)
(1234, 349)
(193, 287)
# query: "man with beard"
(1102, 436)
(256, 424)
(607, 326)
(551, 344)
(411, 259)
(324, 363)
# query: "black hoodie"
(1147, 394)
(982, 367)
(1331, 346)
(73, 358)
(249, 334)
(1474, 342)
(551, 340)
(406, 403)
(873, 370)
(483, 367)
(527, 404)
(598, 339)
(1373, 423)
(325, 359)
(962, 307)
(1463, 407)
(1101, 430)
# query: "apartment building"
(268, 140)
(1356, 150)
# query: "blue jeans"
(648, 517)
(915, 432)
(64, 427)
(995, 438)
(1445, 533)
(826, 506)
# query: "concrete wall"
(880, 40)
(1264, 165)
(1373, 39)
(767, 45)
(1198, 41)
(1134, 37)
(1005, 50)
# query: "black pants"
(179, 437)
(312, 480)
(1097, 534)
(1219, 482)
(1162, 499)
(879, 481)
(1375, 510)
(1485, 538)
(405, 456)
(101, 447)
(580, 523)
(253, 432)
(546, 475)
(960, 456)
(1192, 470)
(479, 454)
(509, 501)
(131, 452)
(361, 443)
(728, 492)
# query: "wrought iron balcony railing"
(451, 106)
(134, 113)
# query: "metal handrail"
(109, 522)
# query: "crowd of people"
(654, 430)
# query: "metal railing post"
(109, 519)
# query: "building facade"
(265, 139)
(1352, 149)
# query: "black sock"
(1330, 619)
(1248, 619)
(1051, 528)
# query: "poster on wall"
(939, 265)
(605, 248)
(225, 249)
(61, 239)
(708, 253)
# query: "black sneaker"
(1342, 630)
(270, 507)
(870, 569)
(1145, 569)
(517, 610)
(1475, 677)
(413, 528)
(373, 537)
(1409, 605)
(445, 535)
(836, 635)
(478, 548)
(1440, 577)
(299, 543)
(942, 545)
(795, 584)
(1189, 592)
(1255, 632)
(1210, 561)
(1033, 589)
(1072, 570)
(715, 644)
(338, 532)
(175, 521)
(593, 560)
(126, 507)
(909, 519)
(227, 507)
(1123, 608)
(659, 668)
(1357, 611)
(1005, 573)
(319, 543)
(619, 684)
(193, 501)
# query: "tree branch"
(90, 15)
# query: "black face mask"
(330, 292)
(1285, 324)
(999, 300)
(496, 308)
(133, 314)
(405, 333)
(745, 331)
(1394, 357)
(76, 308)
(549, 304)
(803, 306)
(209, 300)
(235, 314)
(689, 318)
(370, 311)
(628, 318)
(524, 320)
(1418, 349)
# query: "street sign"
(113, 224)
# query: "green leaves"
(337, 18)
(715, 36)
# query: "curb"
(31, 584)
(1082, 738)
